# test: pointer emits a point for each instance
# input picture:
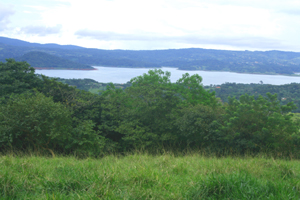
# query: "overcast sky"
(155, 24)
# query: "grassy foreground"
(141, 176)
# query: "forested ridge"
(285, 93)
(74, 57)
(40, 113)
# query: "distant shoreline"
(44, 68)
(123, 75)
(255, 73)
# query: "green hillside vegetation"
(268, 62)
(60, 142)
(151, 114)
(285, 93)
(41, 60)
(91, 85)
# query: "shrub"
(258, 124)
(33, 120)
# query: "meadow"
(145, 176)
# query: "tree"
(34, 120)
(259, 124)
(192, 92)
(143, 115)
(17, 77)
(113, 108)
(197, 126)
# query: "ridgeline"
(263, 62)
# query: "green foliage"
(84, 106)
(34, 120)
(152, 114)
(86, 141)
(192, 91)
(91, 85)
(196, 126)
(286, 93)
(16, 77)
(153, 100)
(112, 113)
(60, 92)
(254, 125)
(143, 115)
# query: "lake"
(122, 75)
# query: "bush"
(261, 124)
(33, 120)
(197, 126)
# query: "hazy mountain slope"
(270, 62)
(46, 61)
(16, 42)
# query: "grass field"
(142, 176)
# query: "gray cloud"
(192, 39)
(5, 13)
(245, 42)
(108, 36)
(41, 30)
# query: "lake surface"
(122, 75)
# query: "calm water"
(122, 75)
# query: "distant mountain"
(266, 62)
(41, 56)
(16, 42)
(41, 60)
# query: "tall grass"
(145, 176)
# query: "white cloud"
(136, 24)
(38, 8)
(5, 13)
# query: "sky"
(155, 24)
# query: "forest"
(153, 114)
(41, 60)
(285, 93)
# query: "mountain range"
(54, 56)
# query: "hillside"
(21, 43)
(41, 60)
(265, 62)
(286, 93)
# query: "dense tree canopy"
(152, 114)
(285, 93)
(17, 77)
(251, 124)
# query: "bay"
(123, 75)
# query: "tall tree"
(17, 77)
(258, 124)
